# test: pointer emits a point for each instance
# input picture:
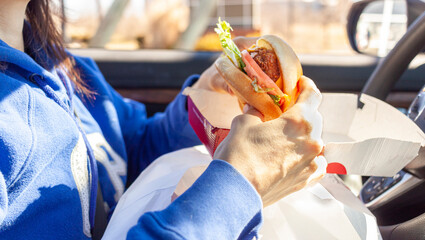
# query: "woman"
(65, 133)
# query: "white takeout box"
(372, 140)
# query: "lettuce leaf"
(276, 99)
(230, 49)
(258, 88)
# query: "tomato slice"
(254, 72)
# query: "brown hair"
(40, 16)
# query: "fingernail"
(246, 107)
(229, 90)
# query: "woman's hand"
(277, 156)
(211, 80)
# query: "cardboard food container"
(363, 136)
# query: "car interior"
(395, 75)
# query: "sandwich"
(264, 76)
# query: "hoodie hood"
(28, 63)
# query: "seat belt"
(100, 217)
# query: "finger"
(229, 90)
(309, 118)
(244, 42)
(309, 93)
(217, 81)
(308, 104)
(321, 164)
(322, 152)
(316, 120)
(219, 85)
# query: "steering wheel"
(379, 85)
(390, 69)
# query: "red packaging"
(210, 115)
(209, 135)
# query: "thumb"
(309, 93)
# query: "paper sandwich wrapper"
(363, 136)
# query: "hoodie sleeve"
(164, 132)
(145, 138)
(221, 204)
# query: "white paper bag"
(324, 211)
(318, 213)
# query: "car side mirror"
(375, 26)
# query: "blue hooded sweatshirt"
(55, 148)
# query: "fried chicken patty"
(268, 62)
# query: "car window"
(309, 26)
(381, 25)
